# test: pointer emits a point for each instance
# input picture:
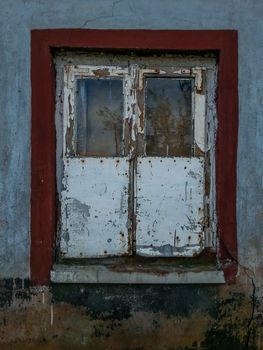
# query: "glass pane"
(99, 105)
(169, 127)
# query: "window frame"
(43, 137)
(74, 66)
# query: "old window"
(137, 155)
(152, 65)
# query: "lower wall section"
(128, 317)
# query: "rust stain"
(101, 72)
(207, 217)
(197, 150)
(153, 270)
(202, 88)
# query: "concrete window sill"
(95, 273)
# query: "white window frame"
(132, 115)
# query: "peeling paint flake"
(198, 72)
(99, 71)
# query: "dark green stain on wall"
(119, 301)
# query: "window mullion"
(130, 136)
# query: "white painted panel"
(95, 207)
(170, 196)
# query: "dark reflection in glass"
(99, 106)
(169, 127)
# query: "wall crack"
(251, 276)
(114, 4)
(251, 319)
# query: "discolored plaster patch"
(128, 317)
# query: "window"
(135, 156)
(121, 122)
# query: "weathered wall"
(127, 317)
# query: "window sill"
(142, 275)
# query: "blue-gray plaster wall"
(18, 17)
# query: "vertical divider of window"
(130, 150)
(135, 145)
(193, 117)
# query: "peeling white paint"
(71, 74)
(210, 132)
(94, 199)
(199, 108)
(131, 100)
(98, 71)
(182, 71)
(198, 74)
(170, 202)
(144, 72)
(172, 209)
(199, 120)
(95, 207)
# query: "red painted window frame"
(43, 136)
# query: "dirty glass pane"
(99, 104)
(168, 108)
